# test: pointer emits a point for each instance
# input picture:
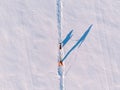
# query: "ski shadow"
(79, 42)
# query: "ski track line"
(26, 41)
(108, 54)
(13, 83)
(28, 61)
(27, 67)
(111, 54)
(97, 10)
(104, 44)
(59, 25)
(101, 40)
(97, 75)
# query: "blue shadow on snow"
(79, 42)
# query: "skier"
(60, 62)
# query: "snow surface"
(29, 45)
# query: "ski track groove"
(106, 45)
(107, 53)
(97, 76)
(26, 41)
(101, 40)
(97, 10)
(111, 55)
(60, 52)
(29, 62)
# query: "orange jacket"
(60, 63)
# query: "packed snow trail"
(60, 52)
(59, 25)
(61, 74)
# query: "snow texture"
(29, 45)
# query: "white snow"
(29, 45)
